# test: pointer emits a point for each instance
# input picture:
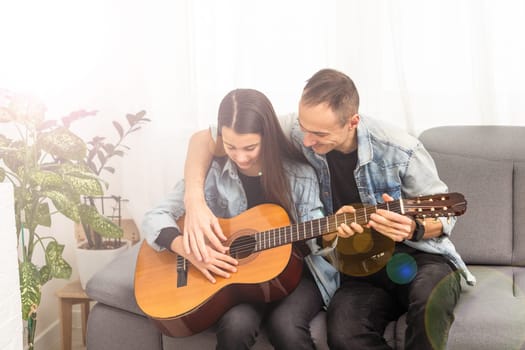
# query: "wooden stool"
(69, 295)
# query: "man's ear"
(353, 121)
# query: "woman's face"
(243, 150)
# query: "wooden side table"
(69, 295)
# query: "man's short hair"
(335, 89)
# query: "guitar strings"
(361, 216)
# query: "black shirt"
(342, 180)
(253, 188)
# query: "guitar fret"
(301, 231)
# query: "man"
(361, 160)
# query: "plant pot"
(89, 261)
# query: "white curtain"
(417, 64)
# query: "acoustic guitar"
(182, 302)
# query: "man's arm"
(200, 223)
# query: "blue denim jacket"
(226, 198)
(389, 161)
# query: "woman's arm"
(200, 223)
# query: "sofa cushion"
(491, 315)
(487, 186)
(114, 286)
(111, 328)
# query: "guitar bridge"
(182, 271)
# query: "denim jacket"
(389, 161)
(226, 198)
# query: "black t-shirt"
(342, 180)
(253, 188)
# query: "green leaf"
(45, 179)
(101, 156)
(63, 143)
(135, 118)
(99, 223)
(64, 204)
(84, 185)
(58, 266)
(79, 169)
(14, 157)
(109, 148)
(119, 128)
(45, 274)
(43, 216)
(29, 287)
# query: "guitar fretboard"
(318, 227)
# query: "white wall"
(11, 320)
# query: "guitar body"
(263, 276)
(364, 253)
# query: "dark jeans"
(287, 321)
(363, 306)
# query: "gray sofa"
(485, 163)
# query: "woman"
(260, 166)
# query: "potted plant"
(52, 169)
(103, 231)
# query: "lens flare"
(401, 268)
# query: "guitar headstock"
(434, 206)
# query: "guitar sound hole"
(242, 247)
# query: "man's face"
(323, 130)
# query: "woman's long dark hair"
(249, 111)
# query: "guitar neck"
(318, 227)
